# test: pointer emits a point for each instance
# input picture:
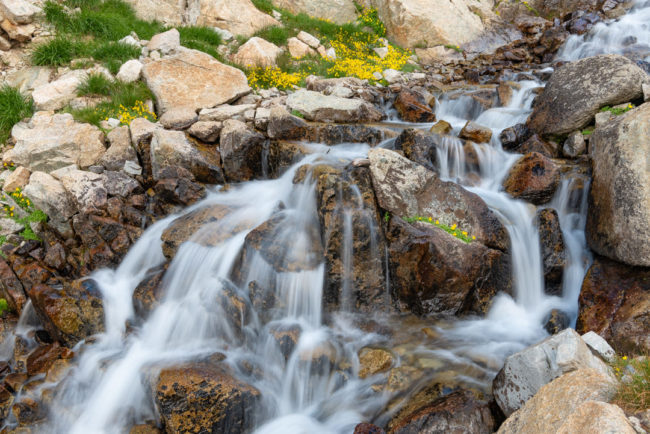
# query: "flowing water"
(107, 389)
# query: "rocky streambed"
(346, 257)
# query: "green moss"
(13, 108)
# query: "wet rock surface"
(533, 178)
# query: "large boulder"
(524, 373)
(595, 417)
(413, 23)
(510, 10)
(193, 79)
(406, 189)
(315, 106)
(58, 93)
(204, 397)
(173, 149)
(120, 150)
(51, 141)
(434, 272)
(618, 223)
(615, 303)
(242, 151)
(578, 90)
(70, 313)
(239, 17)
(339, 11)
(412, 107)
(555, 402)
(446, 414)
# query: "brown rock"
(11, 289)
(368, 428)
(204, 397)
(441, 127)
(286, 337)
(536, 144)
(457, 412)
(42, 358)
(149, 292)
(71, 313)
(505, 94)
(433, 271)
(514, 136)
(533, 178)
(374, 361)
(476, 133)
(283, 155)
(595, 417)
(241, 151)
(553, 253)
(412, 107)
(285, 126)
(615, 303)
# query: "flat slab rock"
(194, 80)
(315, 106)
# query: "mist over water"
(107, 390)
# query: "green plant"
(95, 84)
(634, 391)
(14, 107)
(297, 114)
(454, 47)
(386, 217)
(617, 111)
(264, 5)
(55, 52)
(126, 104)
(370, 18)
(587, 131)
(33, 215)
(275, 34)
(4, 306)
(453, 230)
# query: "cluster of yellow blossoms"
(127, 114)
(20, 199)
(268, 77)
(453, 229)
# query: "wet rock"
(71, 313)
(412, 107)
(204, 397)
(513, 136)
(527, 371)
(406, 189)
(42, 358)
(145, 429)
(241, 151)
(533, 178)
(172, 148)
(283, 155)
(96, 252)
(285, 126)
(183, 228)
(285, 245)
(234, 306)
(555, 402)
(556, 322)
(178, 186)
(575, 145)
(618, 222)
(315, 106)
(257, 52)
(52, 141)
(346, 195)
(594, 417)
(374, 361)
(434, 272)
(368, 428)
(614, 302)
(505, 94)
(457, 411)
(536, 144)
(333, 134)
(577, 91)
(149, 292)
(286, 337)
(476, 133)
(11, 289)
(441, 127)
(419, 147)
(553, 250)
(193, 79)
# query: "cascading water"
(107, 389)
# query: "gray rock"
(120, 149)
(241, 151)
(574, 145)
(225, 112)
(120, 184)
(618, 222)
(525, 372)
(18, 11)
(58, 93)
(130, 71)
(206, 131)
(9, 226)
(329, 108)
(179, 118)
(646, 92)
(577, 91)
(599, 346)
(87, 188)
(165, 42)
(49, 195)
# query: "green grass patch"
(617, 111)
(13, 108)
(95, 84)
(453, 230)
(264, 5)
(4, 305)
(275, 34)
(126, 104)
(33, 215)
(634, 392)
(56, 52)
(588, 131)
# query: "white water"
(107, 390)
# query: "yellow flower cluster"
(453, 229)
(22, 201)
(273, 77)
(139, 110)
(9, 166)
(355, 57)
(370, 18)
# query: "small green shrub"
(617, 111)
(95, 84)
(4, 306)
(14, 107)
(275, 34)
(264, 5)
(56, 52)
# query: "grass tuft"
(275, 34)
(634, 392)
(14, 107)
(56, 52)
(96, 84)
(264, 5)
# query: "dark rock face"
(69, 314)
(285, 126)
(283, 155)
(11, 289)
(618, 223)
(346, 207)
(419, 147)
(458, 412)
(577, 91)
(204, 397)
(241, 151)
(615, 303)
(556, 322)
(368, 428)
(513, 136)
(149, 292)
(536, 144)
(553, 253)
(432, 271)
(533, 178)
(412, 107)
